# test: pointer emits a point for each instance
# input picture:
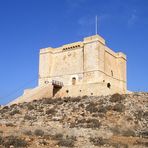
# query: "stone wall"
(88, 68)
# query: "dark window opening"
(67, 91)
(91, 93)
(80, 90)
(73, 81)
(108, 85)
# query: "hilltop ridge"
(111, 121)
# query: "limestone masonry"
(82, 68)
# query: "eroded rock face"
(84, 122)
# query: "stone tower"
(82, 68)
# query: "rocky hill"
(117, 121)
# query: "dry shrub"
(10, 124)
(28, 117)
(66, 99)
(27, 132)
(15, 111)
(128, 133)
(87, 123)
(98, 141)
(117, 98)
(143, 143)
(13, 105)
(84, 97)
(39, 132)
(30, 107)
(67, 142)
(76, 99)
(93, 123)
(4, 110)
(1, 140)
(92, 107)
(119, 107)
(51, 111)
(47, 101)
(144, 134)
(102, 109)
(13, 141)
(57, 136)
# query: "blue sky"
(28, 25)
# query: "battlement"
(94, 38)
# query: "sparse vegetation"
(117, 98)
(119, 107)
(28, 117)
(27, 132)
(15, 111)
(10, 124)
(142, 143)
(93, 123)
(13, 141)
(30, 107)
(128, 133)
(51, 111)
(47, 101)
(39, 132)
(57, 136)
(92, 107)
(118, 122)
(67, 142)
(144, 134)
(75, 99)
(98, 141)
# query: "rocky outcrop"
(82, 122)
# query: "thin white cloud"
(132, 18)
(87, 23)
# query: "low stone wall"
(37, 93)
(94, 89)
